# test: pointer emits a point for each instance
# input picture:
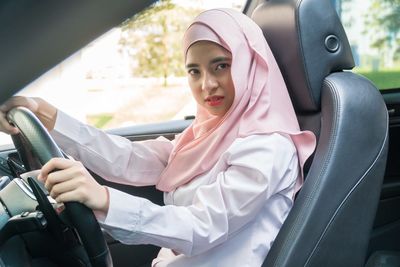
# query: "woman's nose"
(209, 82)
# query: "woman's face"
(208, 68)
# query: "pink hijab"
(261, 106)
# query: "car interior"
(346, 213)
(315, 59)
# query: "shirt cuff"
(123, 217)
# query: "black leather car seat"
(332, 216)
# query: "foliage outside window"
(152, 40)
(373, 28)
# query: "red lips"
(214, 100)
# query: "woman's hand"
(45, 112)
(68, 180)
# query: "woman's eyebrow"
(212, 61)
(220, 59)
(191, 65)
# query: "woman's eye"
(222, 66)
(193, 71)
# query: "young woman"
(229, 178)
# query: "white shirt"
(228, 216)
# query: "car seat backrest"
(332, 216)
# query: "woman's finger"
(66, 186)
(5, 126)
(94, 196)
(61, 176)
(55, 164)
(69, 196)
(75, 172)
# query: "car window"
(133, 74)
(373, 29)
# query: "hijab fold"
(261, 106)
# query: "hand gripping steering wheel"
(81, 217)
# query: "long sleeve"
(112, 157)
(256, 170)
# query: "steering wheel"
(44, 148)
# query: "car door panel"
(386, 230)
(150, 131)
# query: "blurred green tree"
(153, 39)
(383, 27)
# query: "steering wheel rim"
(44, 147)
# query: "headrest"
(308, 41)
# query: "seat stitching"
(348, 195)
(316, 185)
